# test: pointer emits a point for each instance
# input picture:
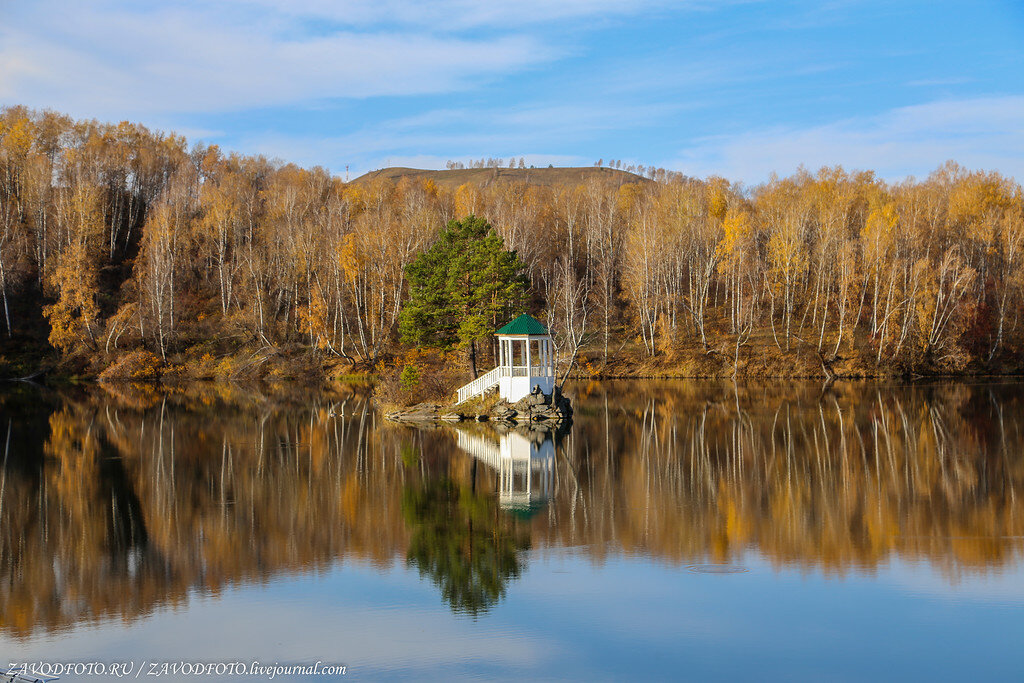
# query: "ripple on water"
(717, 569)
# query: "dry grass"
(759, 357)
(480, 404)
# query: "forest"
(127, 252)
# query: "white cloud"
(426, 140)
(116, 58)
(978, 133)
(111, 60)
(370, 150)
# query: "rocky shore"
(536, 409)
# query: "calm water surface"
(677, 530)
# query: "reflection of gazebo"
(525, 467)
(525, 361)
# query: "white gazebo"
(525, 360)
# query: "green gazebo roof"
(524, 324)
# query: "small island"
(524, 380)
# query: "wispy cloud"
(535, 131)
(978, 133)
(119, 60)
(455, 15)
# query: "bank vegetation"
(126, 252)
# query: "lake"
(678, 529)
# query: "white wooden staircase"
(481, 385)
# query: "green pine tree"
(461, 288)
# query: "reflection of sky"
(569, 617)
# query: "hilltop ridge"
(486, 176)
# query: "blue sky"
(739, 88)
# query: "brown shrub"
(419, 376)
(137, 365)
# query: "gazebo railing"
(485, 383)
(480, 385)
(535, 371)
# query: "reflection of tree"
(116, 505)
(842, 480)
(462, 541)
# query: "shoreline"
(302, 366)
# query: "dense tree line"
(127, 239)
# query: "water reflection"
(462, 541)
(115, 502)
(523, 459)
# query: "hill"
(486, 176)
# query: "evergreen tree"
(462, 287)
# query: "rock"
(413, 417)
(504, 412)
(538, 399)
(533, 410)
(424, 412)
